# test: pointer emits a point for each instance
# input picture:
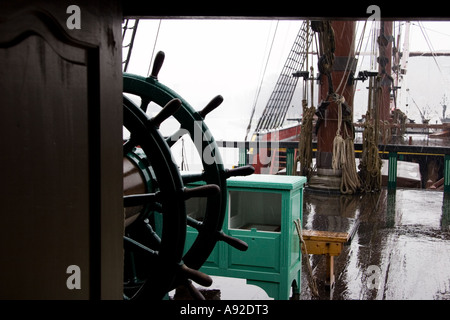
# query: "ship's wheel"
(155, 191)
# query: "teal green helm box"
(261, 211)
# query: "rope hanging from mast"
(343, 146)
(304, 156)
(370, 163)
(305, 139)
(344, 154)
(327, 48)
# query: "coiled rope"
(370, 163)
(344, 155)
(338, 143)
(343, 149)
(305, 141)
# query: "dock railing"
(393, 152)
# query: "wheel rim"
(169, 183)
(150, 89)
(213, 175)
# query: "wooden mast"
(344, 34)
(385, 68)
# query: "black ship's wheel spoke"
(128, 146)
(166, 260)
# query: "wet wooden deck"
(400, 248)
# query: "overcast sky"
(209, 57)
(205, 58)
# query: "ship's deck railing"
(393, 152)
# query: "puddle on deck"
(400, 248)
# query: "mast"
(401, 57)
(385, 68)
(340, 75)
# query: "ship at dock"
(325, 143)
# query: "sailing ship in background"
(322, 64)
(273, 124)
(333, 119)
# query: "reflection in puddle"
(400, 248)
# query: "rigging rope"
(370, 162)
(354, 61)
(311, 279)
(326, 49)
(305, 141)
(338, 143)
(344, 154)
(305, 138)
(350, 181)
(260, 84)
(154, 46)
(343, 149)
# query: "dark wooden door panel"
(60, 164)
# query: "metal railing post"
(242, 156)
(447, 173)
(290, 170)
(392, 170)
